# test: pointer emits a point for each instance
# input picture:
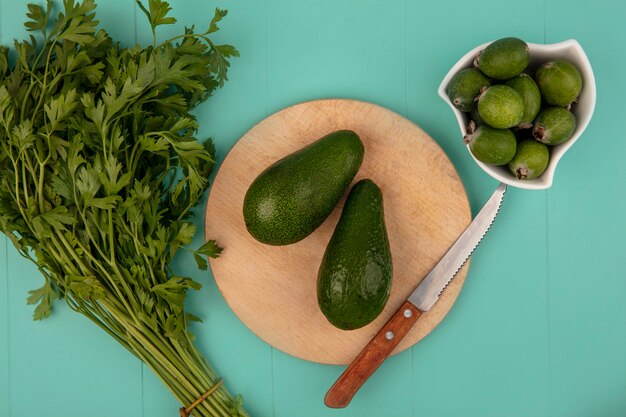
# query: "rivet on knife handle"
(372, 356)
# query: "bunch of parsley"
(99, 171)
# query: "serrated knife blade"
(431, 287)
(421, 299)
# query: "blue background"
(540, 326)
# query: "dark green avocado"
(354, 279)
(292, 197)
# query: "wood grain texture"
(372, 356)
(273, 289)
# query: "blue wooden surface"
(4, 330)
(540, 326)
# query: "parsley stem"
(111, 236)
(108, 326)
(44, 92)
(165, 359)
(206, 380)
(25, 186)
(99, 172)
(85, 271)
(42, 175)
(188, 35)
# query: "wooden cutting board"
(273, 289)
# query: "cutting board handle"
(372, 356)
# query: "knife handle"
(372, 356)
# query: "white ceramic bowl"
(583, 110)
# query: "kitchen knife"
(421, 300)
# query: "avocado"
(354, 279)
(292, 197)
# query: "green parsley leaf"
(158, 13)
(174, 291)
(38, 17)
(100, 169)
(203, 265)
(210, 249)
(43, 298)
(219, 15)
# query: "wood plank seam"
(267, 113)
(547, 237)
(5, 272)
(548, 291)
(406, 66)
(5, 313)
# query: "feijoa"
(501, 107)
(554, 125)
(527, 88)
(473, 115)
(465, 86)
(560, 82)
(492, 146)
(504, 58)
(474, 121)
(530, 160)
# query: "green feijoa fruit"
(554, 125)
(501, 107)
(474, 121)
(560, 82)
(504, 58)
(530, 160)
(465, 86)
(527, 88)
(492, 146)
(474, 116)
